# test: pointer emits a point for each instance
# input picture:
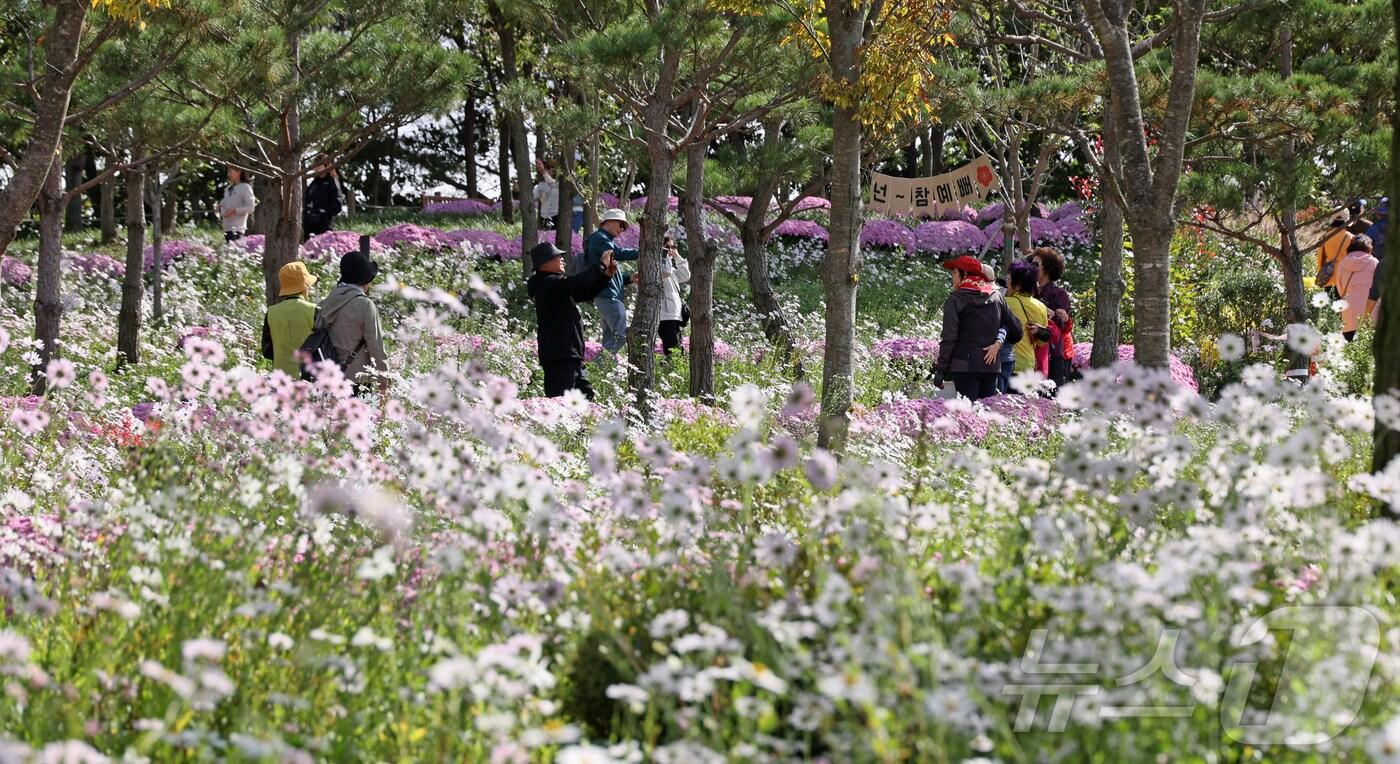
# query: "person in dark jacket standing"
(559, 330)
(974, 323)
(323, 199)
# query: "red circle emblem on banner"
(984, 176)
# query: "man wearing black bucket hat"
(559, 334)
(353, 321)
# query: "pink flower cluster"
(253, 242)
(946, 237)
(1180, 372)
(96, 263)
(887, 234)
(723, 350)
(932, 417)
(575, 242)
(801, 229)
(176, 249)
(906, 349)
(492, 244)
(459, 207)
(410, 235)
(672, 203)
(14, 272)
(329, 246)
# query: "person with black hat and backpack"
(351, 319)
(559, 330)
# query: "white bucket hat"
(1341, 218)
(615, 214)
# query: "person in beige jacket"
(236, 205)
(353, 321)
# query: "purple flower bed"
(1066, 211)
(575, 242)
(672, 203)
(609, 201)
(491, 243)
(410, 235)
(992, 213)
(906, 349)
(14, 272)
(332, 244)
(458, 207)
(735, 204)
(801, 229)
(98, 264)
(887, 234)
(253, 242)
(965, 213)
(689, 411)
(930, 416)
(948, 237)
(812, 203)
(924, 416)
(1181, 373)
(22, 402)
(176, 249)
(1073, 232)
(723, 350)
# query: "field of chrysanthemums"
(202, 561)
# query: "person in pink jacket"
(1354, 274)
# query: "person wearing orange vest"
(1331, 252)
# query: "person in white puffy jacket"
(674, 272)
(236, 206)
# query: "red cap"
(967, 264)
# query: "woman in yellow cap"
(289, 322)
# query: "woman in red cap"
(975, 326)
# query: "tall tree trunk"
(933, 151)
(1110, 287)
(753, 236)
(48, 293)
(284, 241)
(595, 185)
(1151, 196)
(107, 209)
(155, 191)
(1291, 258)
(170, 207)
(468, 139)
(641, 333)
(61, 44)
(1388, 330)
(701, 252)
(564, 228)
(73, 177)
(524, 177)
(133, 286)
(503, 167)
(841, 267)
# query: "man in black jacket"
(323, 199)
(559, 334)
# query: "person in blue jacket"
(1377, 229)
(611, 309)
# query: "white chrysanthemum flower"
(1231, 347)
(1304, 339)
